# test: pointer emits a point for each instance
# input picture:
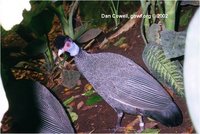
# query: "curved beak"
(60, 51)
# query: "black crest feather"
(60, 41)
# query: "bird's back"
(126, 86)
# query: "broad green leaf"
(36, 47)
(68, 101)
(93, 100)
(166, 71)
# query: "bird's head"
(66, 44)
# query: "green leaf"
(36, 47)
(151, 131)
(68, 101)
(89, 93)
(184, 19)
(73, 116)
(93, 100)
(166, 71)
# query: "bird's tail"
(170, 116)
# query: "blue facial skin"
(73, 49)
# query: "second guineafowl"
(33, 108)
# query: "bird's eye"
(68, 44)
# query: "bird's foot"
(141, 124)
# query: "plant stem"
(70, 21)
(159, 7)
(115, 11)
(160, 10)
(153, 12)
(142, 22)
(49, 54)
(59, 11)
(145, 6)
(170, 10)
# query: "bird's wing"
(54, 118)
(139, 92)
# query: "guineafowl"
(33, 108)
(123, 84)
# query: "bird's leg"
(141, 124)
(119, 119)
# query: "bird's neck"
(81, 53)
(74, 50)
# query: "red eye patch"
(67, 44)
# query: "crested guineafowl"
(123, 84)
(33, 107)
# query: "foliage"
(66, 20)
(164, 46)
(93, 100)
(73, 116)
(170, 11)
(166, 71)
(88, 93)
(92, 16)
(151, 131)
(34, 29)
(68, 101)
(184, 18)
(115, 10)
